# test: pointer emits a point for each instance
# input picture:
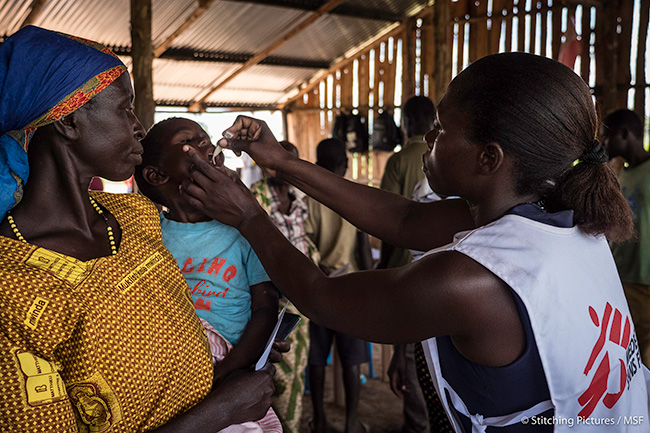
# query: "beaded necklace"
(109, 229)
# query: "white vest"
(570, 287)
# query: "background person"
(343, 249)
(622, 133)
(287, 208)
(402, 173)
(520, 304)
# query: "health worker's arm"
(390, 217)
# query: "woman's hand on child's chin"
(254, 137)
(217, 192)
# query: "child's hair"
(543, 115)
(331, 154)
(152, 154)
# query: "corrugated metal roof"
(239, 27)
(98, 20)
(12, 13)
(337, 30)
(221, 40)
(167, 16)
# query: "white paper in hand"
(267, 350)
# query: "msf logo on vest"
(202, 288)
(615, 330)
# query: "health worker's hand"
(217, 192)
(254, 137)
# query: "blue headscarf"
(44, 75)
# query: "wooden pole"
(639, 94)
(606, 57)
(408, 59)
(624, 74)
(142, 57)
(442, 54)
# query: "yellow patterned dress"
(108, 345)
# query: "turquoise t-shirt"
(219, 266)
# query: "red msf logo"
(620, 334)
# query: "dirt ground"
(378, 406)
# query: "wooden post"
(346, 82)
(478, 32)
(142, 57)
(624, 74)
(606, 57)
(408, 62)
(508, 5)
(442, 54)
(389, 76)
(556, 39)
(521, 32)
(427, 56)
(544, 33)
(639, 95)
(585, 64)
(460, 10)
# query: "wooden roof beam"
(221, 81)
(35, 10)
(202, 8)
(186, 54)
(342, 10)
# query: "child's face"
(174, 162)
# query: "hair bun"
(595, 154)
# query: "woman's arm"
(441, 294)
(264, 315)
(245, 397)
(402, 305)
(387, 216)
